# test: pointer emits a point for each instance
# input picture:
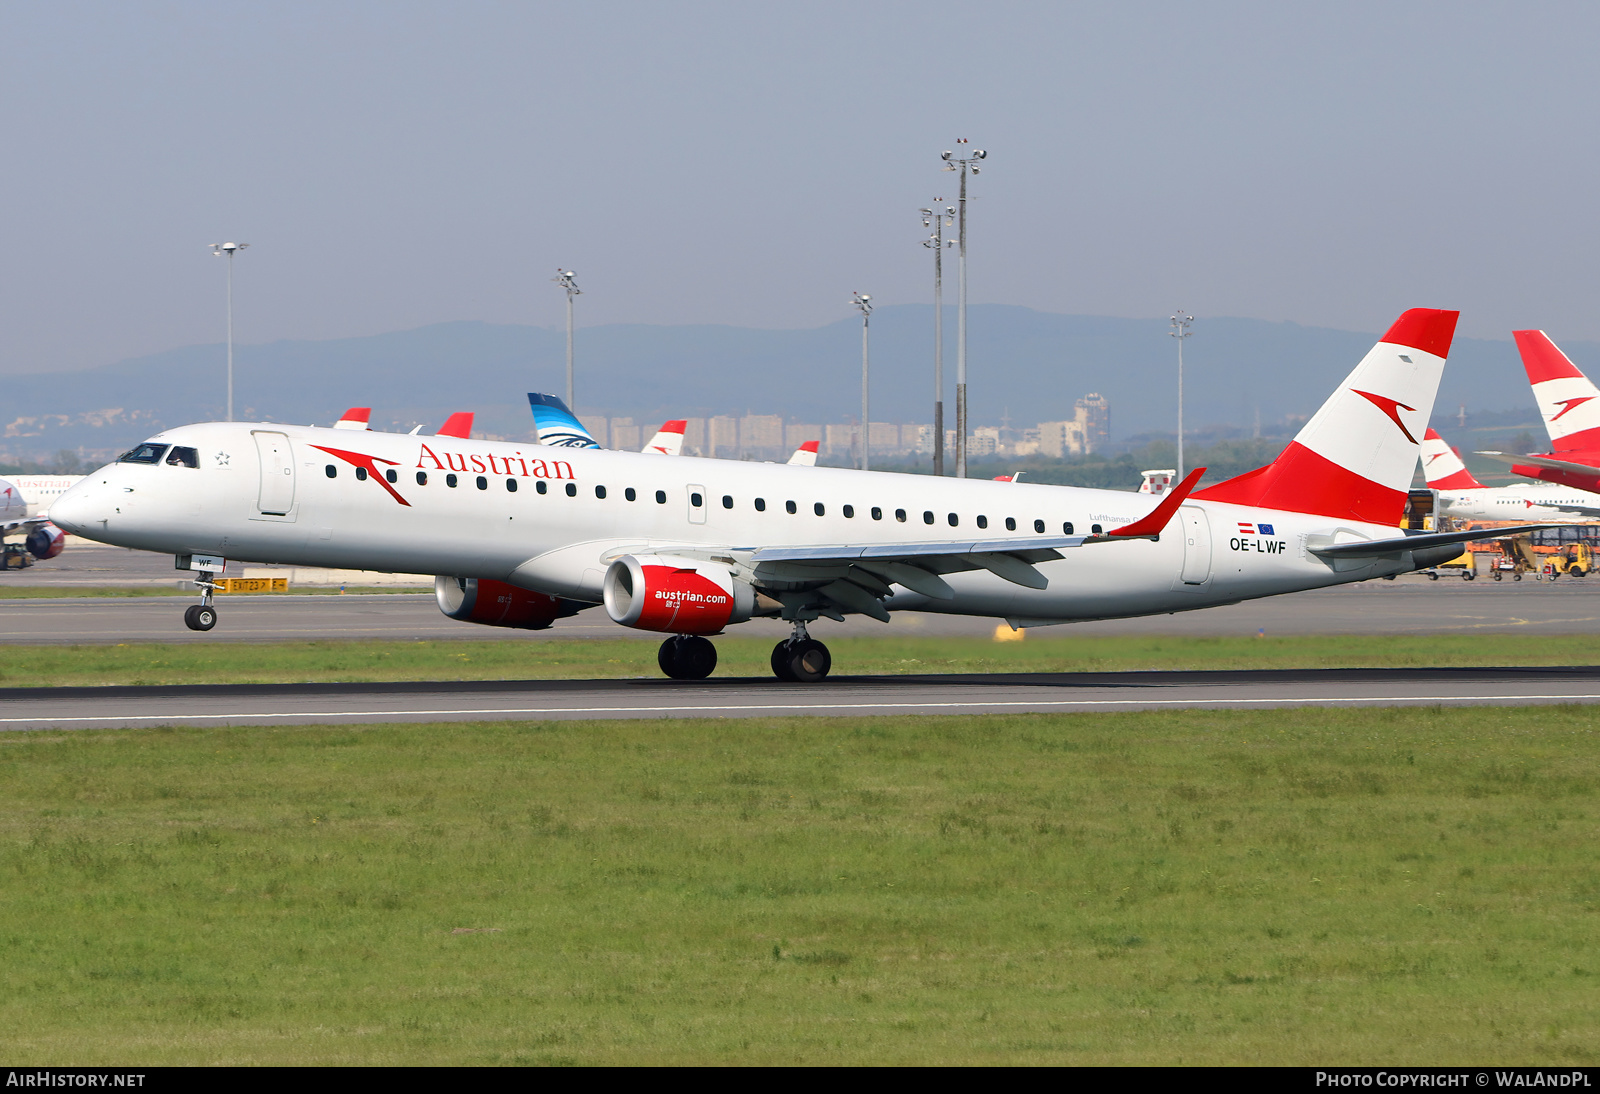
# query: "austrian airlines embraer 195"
(1461, 495)
(690, 546)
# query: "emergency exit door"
(277, 474)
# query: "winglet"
(1153, 522)
(458, 424)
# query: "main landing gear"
(202, 616)
(687, 657)
(801, 659)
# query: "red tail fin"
(458, 424)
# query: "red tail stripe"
(1427, 329)
(458, 424)
(1540, 357)
(1301, 481)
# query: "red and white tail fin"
(1442, 466)
(668, 440)
(458, 424)
(356, 417)
(1566, 397)
(1356, 456)
(806, 454)
(1157, 481)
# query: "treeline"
(64, 462)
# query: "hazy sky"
(396, 164)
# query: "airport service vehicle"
(688, 547)
(1568, 403)
(1463, 497)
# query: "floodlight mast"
(952, 162)
(863, 303)
(1180, 331)
(228, 250)
(938, 219)
(568, 281)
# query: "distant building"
(596, 426)
(797, 434)
(839, 441)
(761, 435)
(624, 435)
(723, 436)
(985, 441)
(1095, 414)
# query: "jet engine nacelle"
(675, 595)
(496, 604)
(46, 541)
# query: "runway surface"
(1410, 605)
(257, 705)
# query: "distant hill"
(1030, 363)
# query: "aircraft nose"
(76, 510)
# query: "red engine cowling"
(496, 604)
(46, 541)
(675, 595)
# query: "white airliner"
(689, 546)
(1462, 496)
(24, 510)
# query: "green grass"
(1408, 886)
(57, 592)
(613, 658)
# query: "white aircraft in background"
(23, 511)
(688, 547)
(1462, 496)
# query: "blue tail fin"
(556, 424)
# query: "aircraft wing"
(1543, 461)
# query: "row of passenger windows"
(698, 501)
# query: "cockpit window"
(145, 453)
(183, 457)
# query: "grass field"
(1299, 887)
(612, 658)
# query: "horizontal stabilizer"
(1544, 461)
(1379, 548)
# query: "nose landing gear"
(801, 659)
(687, 657)
(202, 616)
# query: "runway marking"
(796, 706)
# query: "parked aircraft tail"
(557, 425)
(458, 424)
(1566, 397)
(357, 417)
(1442, 466)
(668, 440)
(1356, 456)
(806, 454)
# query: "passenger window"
(877, 514)
(927, 516)
(1011, 524)
(483, 483)
(145, 453)
(449, 480)
(1038, 526)
(1096, 529)
(953, 519)
(541, 486)
(817, 509)
(761, 505)
(727, 501)
(696, 500)
(661, 497)
(983, 521)
(900, 515)
(789, 507)
(600, 492)
(391, 475)
(631, 494)
(183, 457)
(331, 471)
(511, 486)
(572, 489)
(1066, 528)
(361, 473)
(422, 478)
(849, 511)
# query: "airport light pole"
(568, 281)
(952, 162)
(863, 303)
(1180, 331)
(938, 221)
(228, 250)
